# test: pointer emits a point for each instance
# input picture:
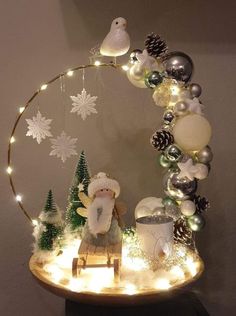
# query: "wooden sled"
(98, 257)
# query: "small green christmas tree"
(80, 184)
(49, 227)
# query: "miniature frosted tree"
(79, 184)
(50, 226)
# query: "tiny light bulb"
(34, 222)
(97, 63)
(12, 140)
(9, 170)
(21, 109)
(44, 87)
(19, 198)
(162, 284)
(130, 289)
(175, 90)
(125, 67)
(70, 73)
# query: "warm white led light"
(21, 109)
(9, 170)
(12, 140)
(70, 73)
(175, 90)
(44, 87)
(19, 198)
(162, 284)
(125, 67)
(97, 63)
(34, 222)
(130, 289)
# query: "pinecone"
(155, 46)
(160, 140)
(183, 234)
(202, 204)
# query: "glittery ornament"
(169, 92)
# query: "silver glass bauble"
(179, 66)
(133, 56)
(181, 108)
(153, 79)
(168, 117)
(205, 155)
(195, 90)
(173, 153)
(178, 188)
(196, 222)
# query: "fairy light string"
(23, 108)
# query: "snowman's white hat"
(103, 181)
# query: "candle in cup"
(155, 235)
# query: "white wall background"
(42, 38)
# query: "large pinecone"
(183, 234)
(202, 204)
(160, 140)
(155, 46)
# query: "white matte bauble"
(201, 171)
(192, 132)
(149, 206)
(188, 208)
(139, 83)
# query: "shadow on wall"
(196, 21)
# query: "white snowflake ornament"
(39, 127)
(63, 146)
(83, 104)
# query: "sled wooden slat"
(90, 256)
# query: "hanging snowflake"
(39, 127)
(83, 104)
(63, 146)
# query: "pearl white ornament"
(201, 171)
(133, 79)
(188, 208)
(149, 206)
(137, 72)
(192, 132)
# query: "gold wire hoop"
(22, 111)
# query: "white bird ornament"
(117, 41)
